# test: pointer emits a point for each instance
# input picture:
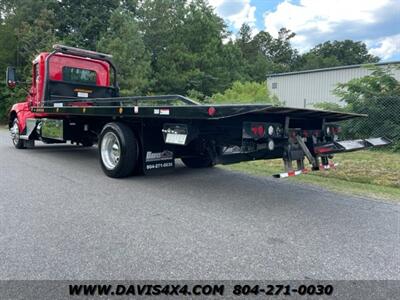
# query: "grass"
(374, 174)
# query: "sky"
(375, 22)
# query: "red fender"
(22, 112)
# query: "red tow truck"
(74, 97)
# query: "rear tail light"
(258, 130)
(262, 130)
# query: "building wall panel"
(304, 89)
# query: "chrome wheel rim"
(14, 130)
(110, 150)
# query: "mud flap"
(158, 161)
(156, 158)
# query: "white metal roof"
(333, 68)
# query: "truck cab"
(76, 77)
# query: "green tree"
(336, 53)
(185, 41)
(8, 48)
(378, 96)
(254, 62)
(15, 12)
(232, 65)
(125, 42)
(26, 29)
(81, 23)
(281, 50)
(329, 106)
(21, 19)
(310, 61)
(244, 41)
(263, 54)
(35, 38)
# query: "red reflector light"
(258, 130)
(211, 111)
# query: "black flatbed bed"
(131, 107)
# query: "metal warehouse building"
(306, 88)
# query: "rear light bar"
(261, 130)
(305, 133)
(80, 52)
(330, 130)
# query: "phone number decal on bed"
(159, 165)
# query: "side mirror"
(11, 79)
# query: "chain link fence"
(383, 120)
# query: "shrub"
(246, 92)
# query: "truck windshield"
(79, 75)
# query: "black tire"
(128, 150)
(198, 162)
(17, 142)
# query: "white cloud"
(315, 21)
(215, 3)
(236, 12)
(385, 47)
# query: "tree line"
(161, 46)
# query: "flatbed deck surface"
(191, 111)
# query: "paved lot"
(61, 218)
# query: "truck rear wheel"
(198, 162)
(16, 136)
(118, 150)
